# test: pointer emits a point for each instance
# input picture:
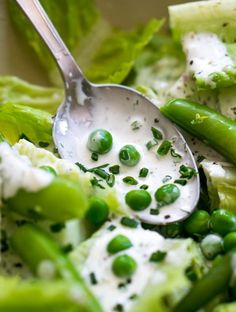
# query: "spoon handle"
(42, 24)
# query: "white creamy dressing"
(111, 290)
(16, 172)
(206, 54)
(115, 113)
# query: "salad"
(69, 240)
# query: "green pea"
(98, 211)
(223, 222)
(100, 141)
(211, 246)
(129, 156)
(197, 223)
(138, 200)
(118, 243)
(49, 169)
(124, 266)
(167, 194)
(229, 241)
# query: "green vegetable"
(204, 16)
(61, 200)
(98, 211)
(157, 135)
(223, 221)
(41, 296)
(164, 148)
(230, 241)
(129, 156)
(158, 256)
(130, 180)
(197, 223)
(89, 37)
(186, 172)
(118, 243)
(215, 130)
(211, 246)
(129, 222)
(138, 200)
(115, 169)
(167, 194)
(40, 248)
(143, 173)
(221, 184)
(16, 120)
(100, 141)
(19, 92)
(207, 288)
(124, 266)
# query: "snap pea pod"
(61, 200)
(36, 248)
(213, 283)
(205, 124)
(41, 296)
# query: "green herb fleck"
(129, 222)
(166, 178)
(130, 180)
(164, 148)
(154, 211)
(156, 133)
(187, 172)
(44, 144)
(177, 156)
(115, 169)
(158, 256)
(110, 180)
(181, 181)
(151, 144)
(93, 278)
(94, 156)
(143, 172)
(136, 125)
(95, 183)
(111, 227)
(144, 187)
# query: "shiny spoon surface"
(115, 108)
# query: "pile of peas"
(217, 231)
(100, 142)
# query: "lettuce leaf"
(216, 16)
(16, 91)
(104, 54)
(18, 121)
(221, 183)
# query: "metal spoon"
(87, 104)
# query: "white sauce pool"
(116, 114)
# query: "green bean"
(61, 200)
(205, 124)
(35, 248)
(212, 284)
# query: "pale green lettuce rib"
(17, 91)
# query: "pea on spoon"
(116, 108)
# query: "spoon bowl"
(116, 108)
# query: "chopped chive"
(144, 187)
(158, 256)
(154, 211)
(115, 169)
(200, 158)
(111, 227)
(181, 181)
(81, 167)
(175, 155)
(136, 125)
(156, 133)
(44, 144)
(101, 173)
(93, 278)
(110, 180)
(164, 148)
(130, 180)
(132, 223)
(94, 156)
(57, 227)
(118, 308)
(187, 172)
(143, 172)
(67, 248)
(166, 178)
(151, 144)
(95, 182)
